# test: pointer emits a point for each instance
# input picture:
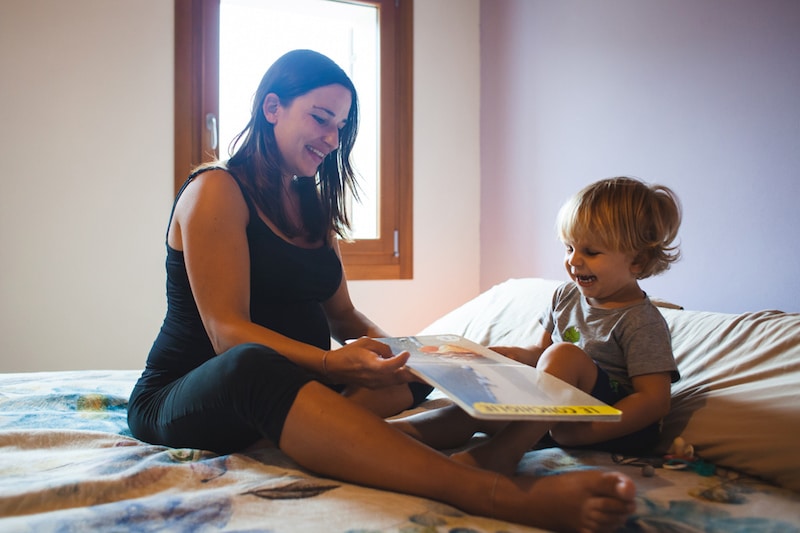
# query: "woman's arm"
(347, 322)
(209, 226)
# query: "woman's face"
(307, 129)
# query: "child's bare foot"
(585, 501)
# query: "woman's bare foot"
(584, 501)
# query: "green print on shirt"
(571, 334)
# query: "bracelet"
(325, 363)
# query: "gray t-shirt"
(625, 342)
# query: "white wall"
(701, 95)
(86, 181)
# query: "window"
(382, 253)
(345, 32)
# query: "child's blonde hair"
(626, 215)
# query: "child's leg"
(505, 449)
(569, 363)
(444, 427)
(503, 452)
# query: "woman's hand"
(367, 362)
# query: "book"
(490, 386)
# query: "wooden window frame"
(390, 256)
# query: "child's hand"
(527, 356)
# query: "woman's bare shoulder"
(214, 180)
(213, 188)
(212, 197)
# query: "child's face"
(607, 278)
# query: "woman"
(255, 291)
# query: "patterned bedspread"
(68, 463)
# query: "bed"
(68, 462)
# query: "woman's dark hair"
(256, 160)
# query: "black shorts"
(226, 404)
(640, 442)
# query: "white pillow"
(505, 315)
(738, 400)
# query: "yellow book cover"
(490, 386)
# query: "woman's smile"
(307, 130)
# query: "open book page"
(490, 386)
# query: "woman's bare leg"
(384, 402)
(335, 437)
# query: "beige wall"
(86, 101)
(86, 180)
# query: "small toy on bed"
(680, 456)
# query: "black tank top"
(287, 286)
